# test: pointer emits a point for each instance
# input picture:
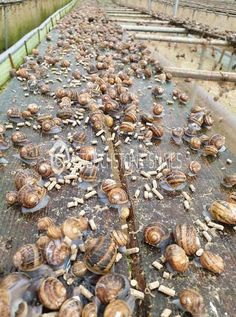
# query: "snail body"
(186, 237)
(177, 258)
(223, 211)
(212, 262)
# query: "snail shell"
(130, 116)
(212, 262)
(223, 211)
(117, 196)
(120, 238)
(177, 132)
(44, 168)
(44, 117)
(147, 118)
(195, 143)
(26, 114)
(195, 167)
(177, 258)
(5, 307)
(79, 137)
(229, 180)
(125, 98)
(72, 227)
(117, 308)
(157, 109)
(30, 152)
(192, 301)
(52, 293)
(175, 178)
(155, 233)
(79, 269)
(210, 150)
(28, 257)
(19, 137)
(11, 198)
(185, 236)
(42, 243)
(196, 118)
(109, 121)
(232, 197)
(108, 184)
(89, 173)
(47, 125)
(158, 91)
(54, 232)
(217, 140)
(148, 135)
(112, 286)
(157, 131)
(14, 113)
(87, 153)
(26, 176)
(30, 195)
(89, 310)
(208, 120)
(56, 252)
(84, 99)
(65, 113)
(44, 223)
(72, 307)
(127, 127)
(100, 254)
(15, 280)
(33, 108)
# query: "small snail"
(194, 168)
(72, 307)
(79, 137)
(44, 223)
(88, 173)
(223, 211)
(120, 238)
(118, 308)
(229, 180)
(192, 302)
(195, 143)
(52, 293)
(79, 269)
(112, 286)
(30, 152)
(56, 253)
(157, 131)
(158, 91)
(108, 184)
(196, 118)
(208, 121)
(65, 113)
(90, 310)
(44, 168)
(212, 262)
(30, 196)
(174, 180)
(100, 254)
(157, 109)
(155, 233)
(54, 232)
(130, 116)
(183, 98)
(177, 134)
(33, 108)
(147, 118)
(117, 196)
(19, 138)
(72, 227)
(87, 153)
(84, 99)
(3, 143)
(127, 127)
(50, 127)
(109, 121)
(28, 257)
(42, 243)
(177, 258)
(218, 141)
(26, 176)
(11, 198)
(185, 236)
(210, 150)
(14, 115)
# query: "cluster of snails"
(182, 244)
(116, 195)
(15, 115)
(29, 194)
(54, 251)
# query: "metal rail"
(154, 29)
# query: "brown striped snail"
(155, 233)
(117, 196)
(229, 180)
(185, 236)
(72, 307)
(194, 167)
(223, 211)
(177, 258)
(212, 262)
(174, 180)
(19, 138)
(28, 258)
(26, 176)
(87, 153)
(192, 302)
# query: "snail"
(109, 121)
(185, 236)
(52, 293)
(127, 127)
(210, 150)
(111, 287)
(44, 117)
(196, 118)
(90, 310)
(28, 258)
(56, 252)
(148, 135)
(130, 116)
(194, 168)
(189, 132)
(212, 262)
(32, 198)
(30, 152)
(117, 308)
(5, 307)
(157, 131)
(79, 137)
(208, 121)
(192, 302)
(84, 99)
(174, 180)
(195, 143)
(176, 135)
(158, 91)
(183, 98)
(155, 233)
(42, 243)
(177, 258)
(147, 118)
(108, 184)
(19, 138)
(232, 197)
(88, 173)
(54, 232)
(11, 198)
(22, 72)
(65, 103)
(26, 176)
(14, 115)
(44, 223)
(229, 181)
(79, 269)
(120, 238)
(44, 168)
(117, 196)
(87, 153)
(100, 254)
(65, 113)
(50, 127)
(33, 108)
(26, 114)
(72, 227)
(223, 211)
(157, 109)
(72, 307)
(218, 141)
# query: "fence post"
(11, 60)
(26, 48)
(5, 27)
(39, 35)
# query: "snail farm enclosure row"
(117, 187)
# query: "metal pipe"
(220, 59)
(201, 74)
(126, 15)
(140, 21)
(178, 39)
(154, 29)
(231, 61)
(176, 8)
